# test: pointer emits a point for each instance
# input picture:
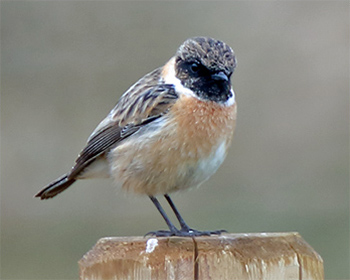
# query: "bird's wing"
(135, 109)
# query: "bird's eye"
(194, 67)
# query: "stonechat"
(169, 131)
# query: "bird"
(168, 132)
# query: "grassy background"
(64, 66)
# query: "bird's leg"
(184, 226)
(173, 230)
(185, 229)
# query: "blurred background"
(65, 64)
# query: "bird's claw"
(183, 233)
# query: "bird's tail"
(55, 187)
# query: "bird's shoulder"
(147, 100)
(149, 97)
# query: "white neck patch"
(170, 78)
(231, 100)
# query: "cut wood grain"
(270, 256)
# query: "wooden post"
(259, 256)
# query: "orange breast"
(201, 125)
(179, 154)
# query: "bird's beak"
(220, 76)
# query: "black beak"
(220, 76)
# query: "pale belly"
(158, 172)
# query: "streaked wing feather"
(96, 146)
(127, 119)
(153, 101)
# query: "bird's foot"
(184, 232)
(194, 232)
(161, 233)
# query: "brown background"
(64, 66)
